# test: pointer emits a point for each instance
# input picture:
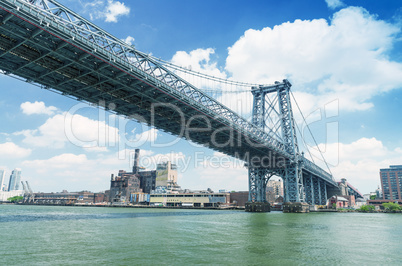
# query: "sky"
(343, 58)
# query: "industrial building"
(128, 186)
(122, 185)
(67, 198)
(166, 176)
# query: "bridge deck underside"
(48, 57)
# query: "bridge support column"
(317, 191)
(257, 197)
(293, 184)
(308, 188)
(323, 188)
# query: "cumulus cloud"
(76, 129)
(359, 161)
(114, 9)
(62, 161)
(345, 58)
(198, 60)
(146, 136)
(201, 60)
(129, 40)
(30, 108)
(109, 10)
(333, 4)
(11, 150)
(220, 171)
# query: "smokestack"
(136, 161)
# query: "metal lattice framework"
(47, 44)
(272, 106)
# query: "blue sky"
(344, 59)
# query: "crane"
(31, 194)
(26, 193)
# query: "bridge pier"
(257, 197)
(296, 207)
(258, 207)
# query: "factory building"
(122, 185)
(129, 186)
(166, 176)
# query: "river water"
(47, 235)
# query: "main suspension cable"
(304, 120)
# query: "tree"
(366, 208)
(391, 206)
(372, 197)
(15, 199)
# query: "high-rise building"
(2, 179)
(391, 182)
(15, 179)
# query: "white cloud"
(76, 129)
(146, 136)
(114, 9)
(333, 4)
(346, 59)
(11, 150)
(109, 10)
(63, 161)
(129, 40)
(360, 161)
(74, 172)
(220, 171)
(37, 108)
(198, 60)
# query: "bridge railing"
(51, 15)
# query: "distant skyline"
(343, 58)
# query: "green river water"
(47, 235)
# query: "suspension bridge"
(47, 44)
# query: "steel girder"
(258, 179)
(317, 191)
(308, 188)
(280, 106)
(323, 188)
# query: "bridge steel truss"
(275, 115)
(51, 46)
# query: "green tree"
(15, 199)
(372, 197)
(391, 206)
(366, 208)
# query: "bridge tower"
(272, 113)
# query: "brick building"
(391, 182)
